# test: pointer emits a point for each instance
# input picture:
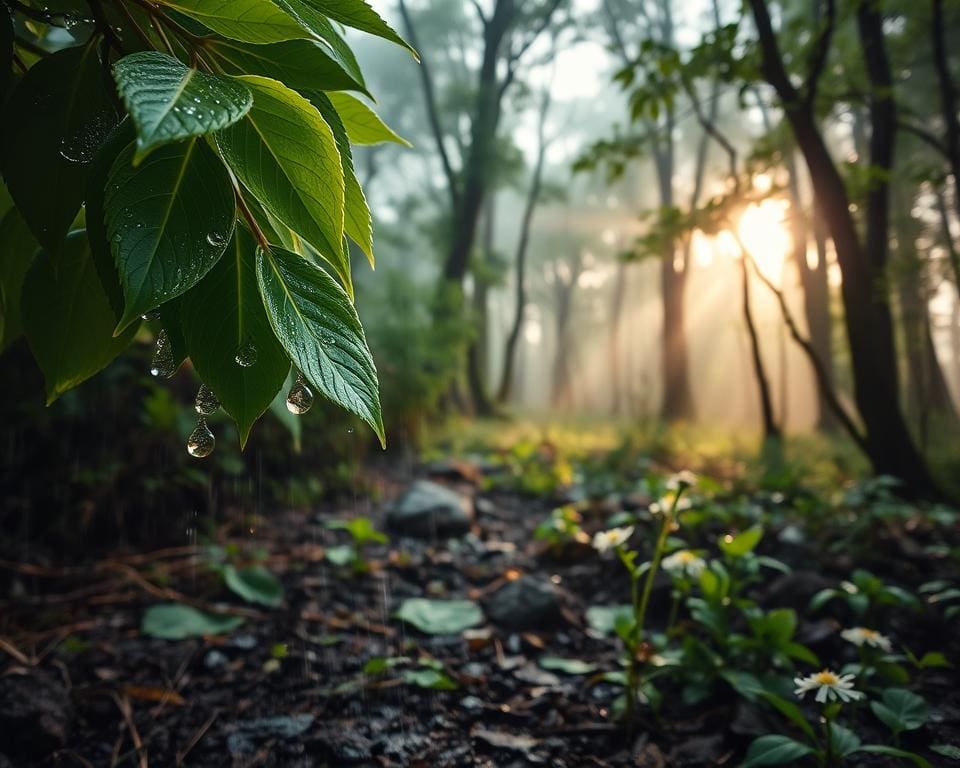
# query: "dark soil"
(81, 686)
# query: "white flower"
(683, 479)
(615, 537)
(828, 685)
(861, 636)
(684, 562)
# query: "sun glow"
(763, 230)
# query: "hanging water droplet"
(216, 239)
(246, 354)
(201, 441)
(153, 314)
(300, 398)
(163, 365)
(206, 403)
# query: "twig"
(123, 704)
(19, 656)
(195, 739)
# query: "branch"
(483, 17)
(513, 57)
(433, 114)
(820, 52)
(924, 135)
(709, 126)
(772, 60)
(820, 373)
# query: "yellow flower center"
(685, 556)
(826, 678)
(870, 634)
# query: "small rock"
(248, 733)
(338, 746)
(529, 602)
(244, 642)
(215, 659)
(35, 714)
(698, 750)
(427, 510)
(453, 469)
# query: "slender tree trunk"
(520, 261)
(868, 320)
(948, 97)
(770, 429)
(616, 327)
(478, 350)
(816, 296)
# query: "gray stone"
(527, 603)
(427, 510)
(247, 734)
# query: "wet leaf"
(255, 584)
(440, 617)
(173, 621)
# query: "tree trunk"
(616, 327)
(520, 262)
(477, 351)
(868, 321)
(770, 429)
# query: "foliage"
(155, 166)
(440, 617)
(362, 533)
(174, 621)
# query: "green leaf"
(359, 15)
(168, 221)
(743, 543)
(881, 749)
(431, 679)
(790, 711)
(95, 220)
(254, 584)
(361, 530)
(567, 666)
(947, 750)
(62, 113)
(362, 124)
(169, 101)
(173, 621)
(18, 248)
(253, 21)
(323, 28)
(775, 750)
(218, 316)
(358, 224)
(440, 617)
(301, 64)
(342, 555)
(286, 154)
(845, 742)
(67, 318)
(318, 326)
(6, 51)
(603, 618)
(901, 710)
(781, 623)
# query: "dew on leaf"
(206, 402)
(201, 442)
(163, 365)
(300, 397)
(246, 354)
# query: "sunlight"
(763, 230)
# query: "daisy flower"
(828, 685)
(861, 636)
(615, 537)
(683, 479)
(684, 562)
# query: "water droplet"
(246, 354)
(300, 398)
(216, 239)
(201, 441)
(153, 314)
(163, 365)
(206, 403)
(82, 145)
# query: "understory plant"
(154, 177)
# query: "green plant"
(362, 533)
(153, 160)
(865, 594)
(639, 649)
(836, 743)
(561, 527)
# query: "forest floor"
(330, 676)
